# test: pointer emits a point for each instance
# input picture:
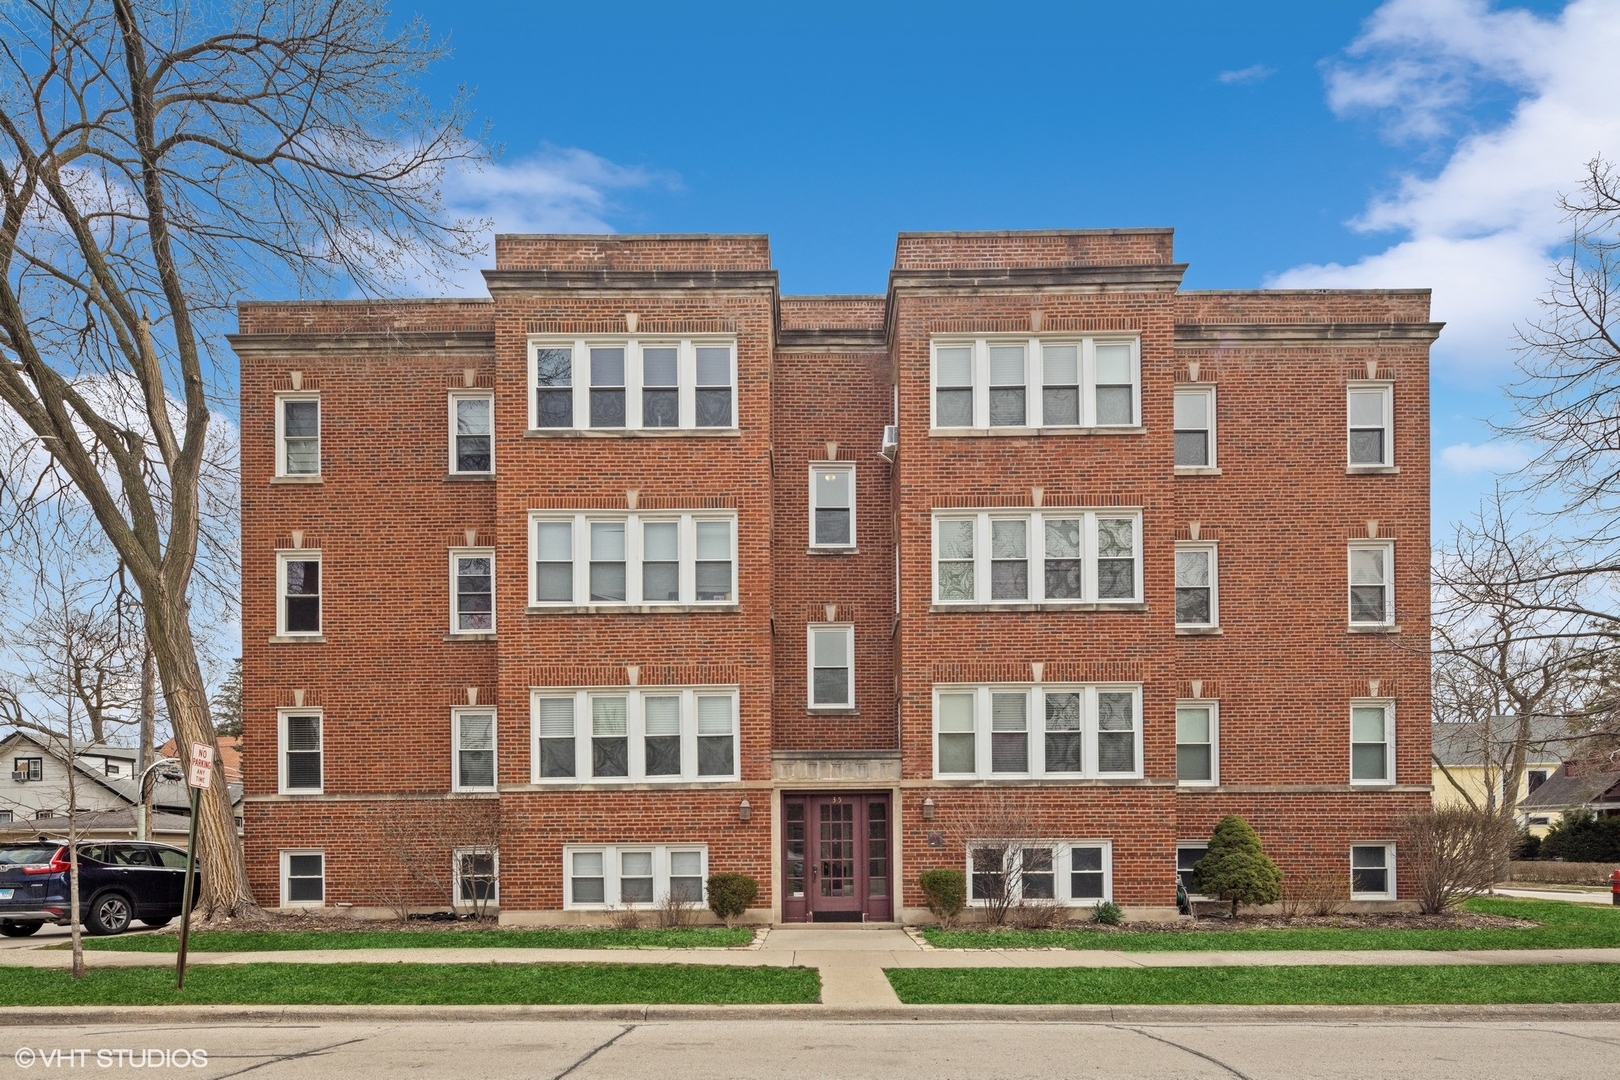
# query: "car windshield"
(28, 855)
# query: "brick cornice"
(574, 280)
(1312, 333)
(1162, 277)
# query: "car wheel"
(109, 914)
(19, 929)
(156, 923)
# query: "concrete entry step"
(822, 937)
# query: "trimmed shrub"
(1561, 873)
(1580, 837)
(730, 895)
(1108, 913)
(1236, 868)
(945, 892)
(1452, 853)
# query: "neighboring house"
(1472, 759)
(1594, 788)
(665, 573)
(230, 756)
(35, 786)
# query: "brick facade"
(817, 379)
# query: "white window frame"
(462, 900)
(1388, 548)
(282, 785)
(284, 557)
(1189, 845)
(1214, 708)
(1387, 388)
(1035, 715)
(581, 521)
(1207, 391)
(286, 875)
(457, 554)
(611, 867)
(635, 733)
(1213, 550)
(1036, 551)
(283, 396)
(1388, 705)
(848, 630)
(687, 385)
(455, 747)
(1389, 871)
(832, 466)
(471, 395)
(1062, 868)
(1035, 381)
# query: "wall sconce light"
(928, 808)
(745, 811)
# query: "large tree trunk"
(225, 889)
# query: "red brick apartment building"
(640, 571)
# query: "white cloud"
(1482, 230)
(557, 190)
(1497, 457)
(1252, 74)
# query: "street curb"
(58, 1016)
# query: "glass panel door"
(836, 854)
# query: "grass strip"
(1434, 984)
(695, 937)
(1563, 926)
(417, 984)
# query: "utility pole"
(143, 813)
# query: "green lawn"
(1563, 926)
(1327, 985)
(417, 984)
(695, 937)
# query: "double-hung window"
(1044, 556)
(1196, 606)
(1197, 742)
(832, 666)
(473, 735)
(832, 505)
(28, 768)
(630, 384)
(1049, 731)
(1372, 742)
(1195, 428)
(298, 434)
(1056, 382)
(303, 878)
(301, 751)
(298, 589)
(628, 875)
(472, 432)
(632, 559)
(477, 874)
(472, 591)
(1372, 584)
(1076, 872)
(630, 734)
(1372, 872)
(1370, 419)
(1187, 855)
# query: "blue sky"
(1409, 143)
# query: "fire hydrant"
(1614, 887)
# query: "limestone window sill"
(633, 433)
(1049, 608)
(470, 477)
(1199, 631)
(470, 637)
(830, 710)
(1354, 629)
(1029, 432)
(1198, 470)
(832, 551)
(1372, 470)
(297, 479)
(633, 609)
(298, 639)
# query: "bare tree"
(157, 160)
(1516, 635)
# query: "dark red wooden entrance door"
(836, 858)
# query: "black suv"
(119, 881)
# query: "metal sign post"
(199, 774)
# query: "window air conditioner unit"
(20, 775)
(891, 442)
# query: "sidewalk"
(851, 961)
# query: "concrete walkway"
(851, 961)
(1588, 896)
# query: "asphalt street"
(791, 1049)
